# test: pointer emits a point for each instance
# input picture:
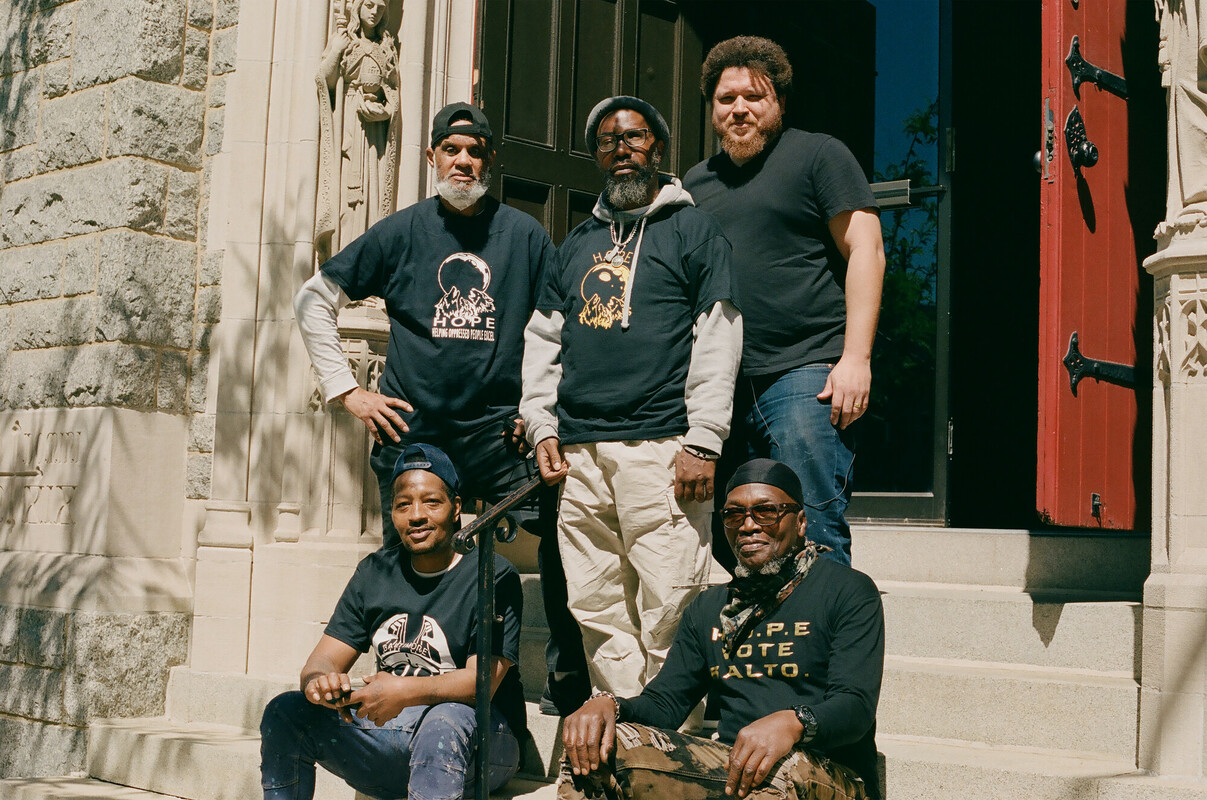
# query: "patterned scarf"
(753, 597)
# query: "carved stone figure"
(359, 125)
(1183, 59)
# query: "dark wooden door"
(545, 63)
(1089, 277)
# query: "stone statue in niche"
(359, 125)
(1182, 54)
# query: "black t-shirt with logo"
(775, 210)
(619, 384)
(822, 647)
(458, 291)
(419, 625)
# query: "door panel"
(1089, 281)
(546, 63)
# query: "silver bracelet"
(610, 696)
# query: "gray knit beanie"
(604, 107)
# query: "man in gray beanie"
(791, 652)
(629, 366)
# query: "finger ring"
(858, 405)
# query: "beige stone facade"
(179, 511)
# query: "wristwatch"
(700, 453)
(804, 715)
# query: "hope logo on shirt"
(465, 310)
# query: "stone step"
(1010, 705)
(918, 768)
(1075, 630)
(71, 788)
(1032, 560)
(75, 788)
(199, 761)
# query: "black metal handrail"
(495, 519)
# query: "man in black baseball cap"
(410, 730)
(459, 273)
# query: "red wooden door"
(1088, 278)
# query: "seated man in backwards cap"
(410, 731)
(792, 653)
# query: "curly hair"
(755, 53)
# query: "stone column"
(1173, 696)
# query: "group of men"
(684, 329)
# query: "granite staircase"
(1012, 672)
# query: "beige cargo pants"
(634, 556)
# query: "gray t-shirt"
(789, 274)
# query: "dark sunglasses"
(763, 514)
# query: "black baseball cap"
(431, 459)
(443, 127)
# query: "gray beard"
(771, 567)
(462, 198)
(633, 190)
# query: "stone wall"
(110, 111)
(111, 115)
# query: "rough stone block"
(73, 130)
(156, 121)
(211, 268)
(222, 51)
(79, 266)
(217, 91)
(201, 439)
(197, 482)
(180, 218)
(202, 336)
(43, 634)
(146, 289)
(20, 163)
(30, 273)
(50, 39)
(18, 110)
(39, 750)
(110, 374)
(171, 392)
(31, 692)
(199, 382)
(214, 122)
(117, 38)
(10, 633)
(209, 304)
(54, 323)
(201, 13)
(16, 33)
(56, 78)
(123, 660)
(116, 193)
(34, 378)
(226, 13)
(196, 58)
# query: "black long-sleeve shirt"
(822, 647)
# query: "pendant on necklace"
(617, 259)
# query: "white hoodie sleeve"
(716, 355)
(541, 373)
(316, 308)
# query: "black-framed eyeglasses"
(763, 514)
(633, 137)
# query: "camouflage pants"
(653, 764)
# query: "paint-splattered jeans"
(425, 753)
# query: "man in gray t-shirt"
(808, 262)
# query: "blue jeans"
(779, 416)
(425, 753)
